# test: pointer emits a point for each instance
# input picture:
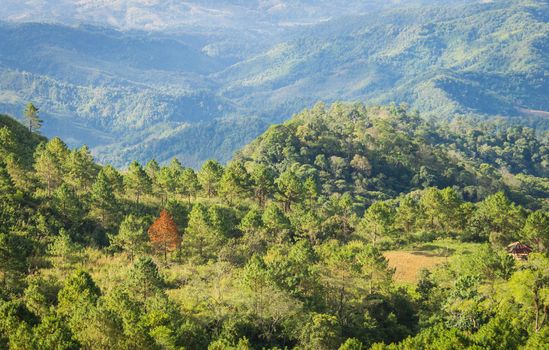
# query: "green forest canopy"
(283, 246)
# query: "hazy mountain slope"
(488, 58)
(93, 84)
(233, 28)
(179, 87)
(118, 108)
(192, 144)
(98, 114)
(57, 50)
(161, 15)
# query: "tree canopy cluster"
(283, 247)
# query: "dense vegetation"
(192, 90)
(284, 246)
(381, 152)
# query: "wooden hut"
(519, 250)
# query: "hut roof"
(518, 248)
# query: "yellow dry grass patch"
(408, 264)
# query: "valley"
(124, 85)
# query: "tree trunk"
(49, 187)
(544, 317)
(144, 290)
(340, 304)
(536, 308)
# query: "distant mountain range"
(198, 15)
(485, 58)
(201, 79)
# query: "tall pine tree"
(137, 181)
(31, 115)
(103, 200)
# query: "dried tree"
(164, 234)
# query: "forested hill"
(291, 245)
(380, 152)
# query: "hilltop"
(381, 152)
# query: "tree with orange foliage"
(164, 234)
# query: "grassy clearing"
(409, 261)
(408, 264)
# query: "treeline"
(275, 249)
(76, 187)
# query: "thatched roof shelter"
(519, 250)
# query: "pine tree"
(48, 169)
(235, 182)
(53, 333)
(320, 333)
(263, 183)
(352, 344)
(209, 176)
(175, 167)
(188, 184)
(407, 214)
(9, 205)
(431, 203)
(251, 222)
(115, 178)
(276, 222)
(166, 183)
(104, 202)
(14, 253)
(66, 201)
(31, 115)
(153, 171)
(200, 240)
(81, 169)
(377, 222)
(137, 181)
(345, 212)
(7, 187)
(310, 188)
(290, 189)
(8, 144)
(63, 251)
(131, 237)
(164, 234)
(22, 178)
(501, 220)
(152, 168)
(168, 179)
(78, 294)
(145, 277)
(536, 230)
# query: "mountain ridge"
(443, 66)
